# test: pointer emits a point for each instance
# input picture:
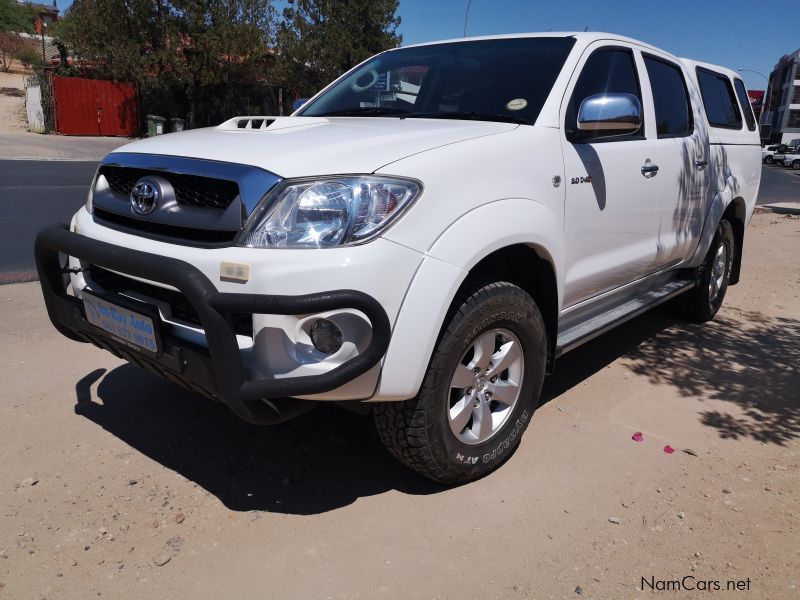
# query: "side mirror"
(607, 115)
(298, 103)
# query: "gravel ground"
(115, 484)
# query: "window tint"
(504, 79)
(718, 99)
(794, 119)
(673, 115)
(608, 71)
(744, 103)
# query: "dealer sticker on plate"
(124, 325)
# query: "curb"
(18, 277)
(780, 209)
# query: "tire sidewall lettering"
(503, 446)
(507, 316)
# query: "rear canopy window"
(718, 99)
(502, 80)
(673, 115)
(744, 103)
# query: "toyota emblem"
(144, 197)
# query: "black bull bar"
(217, 370)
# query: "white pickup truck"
(422, 239)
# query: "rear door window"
(673, 113)
(744, 103)
(719, 100)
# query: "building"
(43, 13)
(780, 121)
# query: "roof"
(712, 67)
(586, 37)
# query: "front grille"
(190, 190)
(171, 233)
(182, 310)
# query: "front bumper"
(216, 370)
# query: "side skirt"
(594, 318)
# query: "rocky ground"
(115, 484)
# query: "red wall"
(95, 107)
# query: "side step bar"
(584, 331)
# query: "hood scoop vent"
(261, 123)
(248, 123)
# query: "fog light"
(326, 336)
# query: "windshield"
(494, 80)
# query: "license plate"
(125, 326)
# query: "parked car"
(780, 153)
(792, 159)
(422, 250)
(768, 152)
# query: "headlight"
(328, 211)
(90, 196)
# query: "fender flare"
(468, 240)
(718, 206)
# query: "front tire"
(769, 160)
(479, 392)
(702, 302)
(796, 165)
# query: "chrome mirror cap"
(610, 114)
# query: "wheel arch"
(528, 266)
(736, 214)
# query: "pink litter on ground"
(669, 449)
(638, 437)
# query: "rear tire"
(479, 392)
(769, 160)
(702, 302)
(796, 165)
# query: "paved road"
(779, 184)
(36, 193)
(33, 146)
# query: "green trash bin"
(155, 125)
(175, 124)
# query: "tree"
(15, 18)
(319, 40)
(225, 50)
(189, 57)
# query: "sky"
(732, 33)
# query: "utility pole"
(42, 28)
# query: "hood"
(309, 146)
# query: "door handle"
(649, 169)
(700, 164)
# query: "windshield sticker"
(517, 104)
(369, 105)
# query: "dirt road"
(117, 485)
(12, 101)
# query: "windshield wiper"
(467, 116)
(364, 111)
